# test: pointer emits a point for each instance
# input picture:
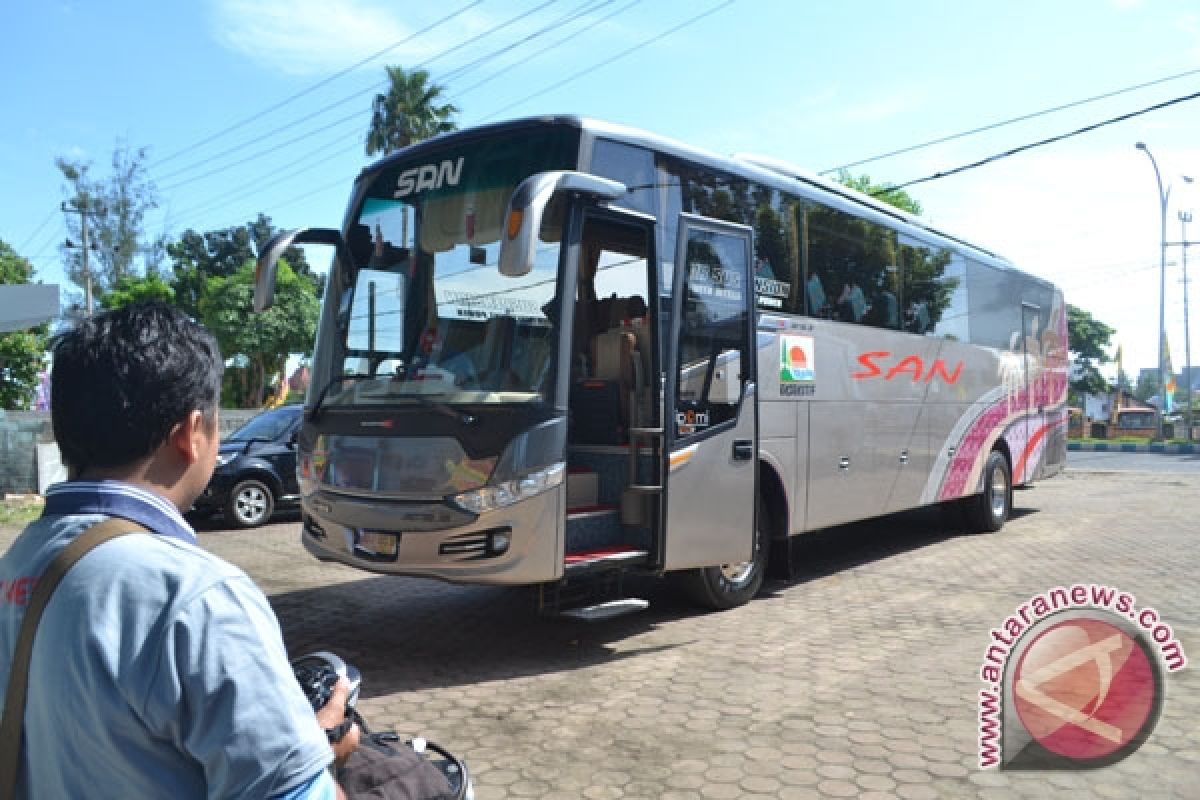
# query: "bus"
(556, 351)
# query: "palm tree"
(408, 113)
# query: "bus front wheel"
(731, 585)
(989, 510)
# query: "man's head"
(124, 380)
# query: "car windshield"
(268, 426)
(426, 313)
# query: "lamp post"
(1163, 197)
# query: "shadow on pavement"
(408, 633)
(215, 523)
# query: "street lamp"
(1163, 196)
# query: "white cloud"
(1088, 220)
(308, 37)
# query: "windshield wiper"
(445, 409)
(312, 414)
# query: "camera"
(319, 672)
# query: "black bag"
(384, 769)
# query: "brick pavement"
(858, 680)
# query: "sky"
(249, 106)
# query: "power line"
(549, 47)
(1041, 143)
(1002, 123)
(570, 17)
(230, 195)
(317, 85)
(611, 59)
(37, 230)
(586, 8)
(290, 125)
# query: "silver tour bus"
(553, 351)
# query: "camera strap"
(14, 699)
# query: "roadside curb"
(1125, 447)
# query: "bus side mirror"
(267, 266)
(527, 206)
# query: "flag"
(1168, 403)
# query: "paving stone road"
(860, 679)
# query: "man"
(158, 669)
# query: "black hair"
(123, 379)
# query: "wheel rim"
(737, 574)
(251, 504)
(741, 574)
(998, 492)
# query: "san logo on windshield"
(428, 176)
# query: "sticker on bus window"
(691, 421)
(797, 360)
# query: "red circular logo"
(1084, 689)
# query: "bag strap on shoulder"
(18, 676)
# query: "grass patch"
(18, 510)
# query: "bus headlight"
(501, 495)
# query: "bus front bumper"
(517, 545)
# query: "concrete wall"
(27, 448)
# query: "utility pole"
(83, 210)
(1184, 218)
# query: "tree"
(1147, 385)
(130, 290)
(263, 340)
(1089, 341)
(409, 112)
(115, 211)
(20, 351)
(198, 257)
(884, 193)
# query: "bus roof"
(763, 169)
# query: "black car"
(256, 470)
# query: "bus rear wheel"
(730, 585)
(988, 511)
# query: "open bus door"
(711, 415)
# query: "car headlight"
(225, 458)
(490, 498)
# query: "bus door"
(615, 435)
(711, 404)
(1031, 355)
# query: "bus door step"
(608, 610)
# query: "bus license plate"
(377, 543)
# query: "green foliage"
(409, 112)
(20, 351)
(893, 197)
(263, 340)
(18, 510)
(130, 290)
(117, 207)
(1089, 340)
(197, 257)
(1148, 385)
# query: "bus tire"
(731, 585)
(988, 511)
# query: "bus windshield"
(424, 313)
